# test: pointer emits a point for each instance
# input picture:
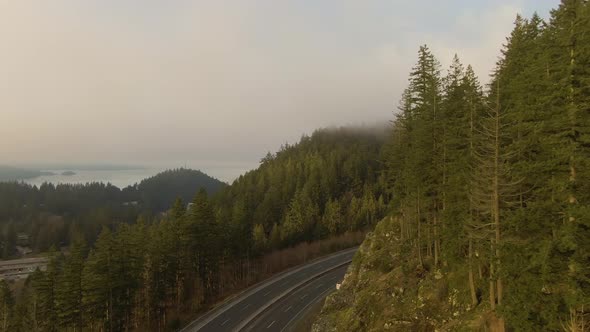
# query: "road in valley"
(283, 315)
(268, 301)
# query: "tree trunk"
(496, 198)
(492, 283)
(419, 239)
(436, 241)
(471, 281)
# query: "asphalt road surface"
(284, 314)
(264, 299)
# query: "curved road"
(284, 314)
(264, 307)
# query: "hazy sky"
(195, 82)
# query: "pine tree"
(178, 210)
(422, 170)
(275, 237)
(44, 285)
(259, 238)
(332, 219)
(204, 237)
(300, 219)
(6, 306)
(472, 225)
(101, 283)
(68, 295)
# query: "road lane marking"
(244, 308)
(340, 258)
(268, 327)
(315, 300)
(304, 296)
(288, 308)
(265, 294)
(227, 320)
(318, 286)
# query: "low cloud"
(169, 82)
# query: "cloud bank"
(176, 82)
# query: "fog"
(174, 83)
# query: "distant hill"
(326, 184)
(49, 213)
(158, 192)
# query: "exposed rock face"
(385, 290)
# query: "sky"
(205, 83)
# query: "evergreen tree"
(332, 219)
(68, 294)
(44, 285)
(259, 238)
(6, 307)
(205, 235)
(102, 283)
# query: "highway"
(264, 303)
(284, 314)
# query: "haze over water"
(126, 177)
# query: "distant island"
(9, 173)
(27, 172)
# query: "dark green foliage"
(135, 275)
(205, 243)
(68, 293)
(6, 307)
(159, 192)
(290, 192)
(51, 214)
(497, 183)
(44, 287)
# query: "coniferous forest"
(491, 193)
(156, 272)
(52, 215)
(475, 203)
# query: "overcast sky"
(217, 82)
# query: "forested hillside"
(157, 193)
(53, 215)
(318, 195)
(491, 195)
(328, 183)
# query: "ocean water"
(123, 178)
(119, 178)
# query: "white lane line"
(315, 300)
(320, 285)
(288, 308)
(335, 259)
(265, 294)
(245, 307)
(227, 320)
(304, 296)
(268, 327)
